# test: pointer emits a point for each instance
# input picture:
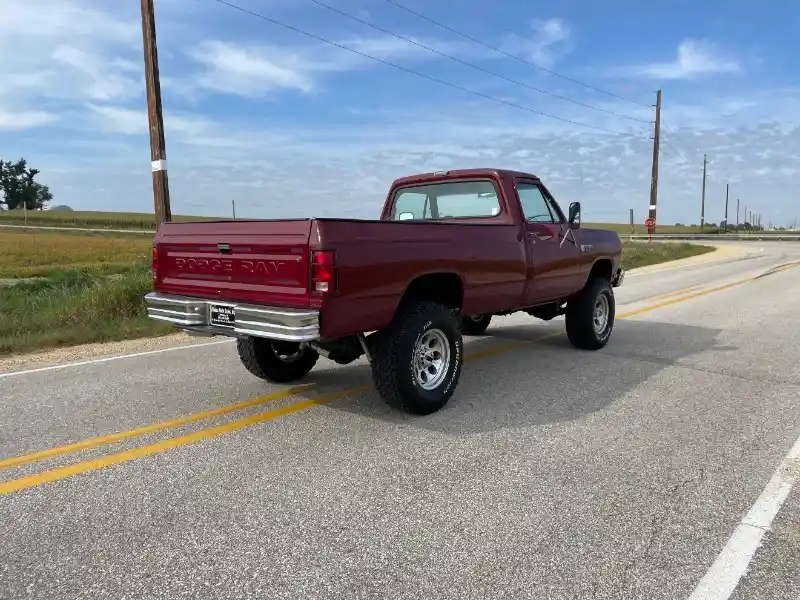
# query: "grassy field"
(146, 221)
(88, 219)
(68, 288)
(642, 254)
(34, 253)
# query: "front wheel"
(590, 317)
(275, 360)
(418, 359)
(475, 324)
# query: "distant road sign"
(649, 222)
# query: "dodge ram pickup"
(451, 250)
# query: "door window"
(535, 207)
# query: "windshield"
(457, 199)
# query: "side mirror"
(406, 216)
(575, 215)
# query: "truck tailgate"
(266, 262)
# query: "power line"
(674, 149)
(675, 136)
(472, 65)
(527, 62)
(425, 76)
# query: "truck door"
(551, 248)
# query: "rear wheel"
(418, 359)
(475, 324)
(590, 317)
(276, 360)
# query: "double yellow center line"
(94, 464)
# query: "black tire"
(393, 362)
(580, 316)
(475, 324)
(266, 359)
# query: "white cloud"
(11, 120)
(62, 51)
(694, 58)
(541, 48)
(254, 70)
(352, 166)
(251, 71)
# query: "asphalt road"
(553, 473)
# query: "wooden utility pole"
(158, 150)
(703, 197)
(233, 208)
(727, 191)
(656, 148)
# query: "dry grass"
(88, 219)
(33, 253)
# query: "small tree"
(19, 188)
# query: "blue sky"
(290, 126)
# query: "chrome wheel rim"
(431, 359)
(601, 312)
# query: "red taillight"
(323, 272)
(155, 264)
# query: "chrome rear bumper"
(618, 277)
(194, 315)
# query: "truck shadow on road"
(548, 381)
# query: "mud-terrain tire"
(590, 317)
(475, 324)
(274, 360)
(423, 334)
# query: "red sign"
(649, 222)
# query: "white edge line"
(731, 565)
(106, 359)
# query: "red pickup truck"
(450, 250)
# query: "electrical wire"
(677, 139)
(674, 149)
(474, 66)
(508, 54)
(423, 75)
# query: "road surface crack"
(656, 525)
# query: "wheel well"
(602, 269)
(444, 288)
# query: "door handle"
(539, 236)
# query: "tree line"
(19, 187)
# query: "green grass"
(76, 307)
(69, 288)
(642, 254)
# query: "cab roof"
(461, 174)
